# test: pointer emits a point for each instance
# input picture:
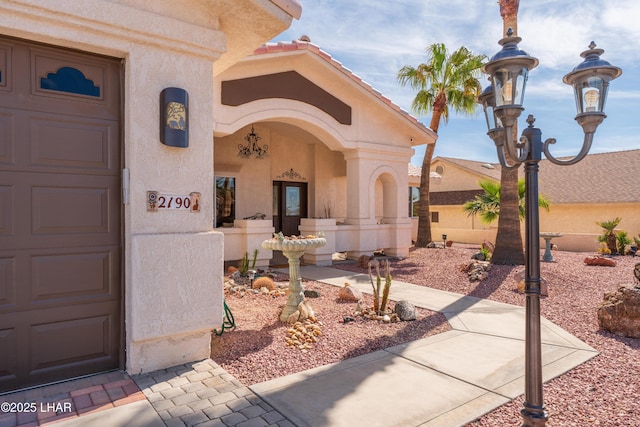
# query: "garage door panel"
(7, 203)
(67, 76)
(73, 276)
(72, 342)
(51, 210)
(7, 139)
(7, 282)
(73, 143)
(8, 354)
(6, 54)
(70, 210)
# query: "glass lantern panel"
(509, 85)
(488, 116)
(591, 95)
(521, 81)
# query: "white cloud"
(375, 38)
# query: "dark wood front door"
(289, 206)
(60, 213)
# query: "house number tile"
(157, 201)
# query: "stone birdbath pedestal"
(547, 257)
(293, 248)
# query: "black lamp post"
(444, 241)
(502, 103)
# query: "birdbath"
(293, 248)
(547, 257)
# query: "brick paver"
(71, 399)
(205, 395)
(194, 394)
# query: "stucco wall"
(173, 261)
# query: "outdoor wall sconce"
(502, 104)
(253, 148)
(174, 117)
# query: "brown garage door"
(60, 250)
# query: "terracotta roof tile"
(414, 170)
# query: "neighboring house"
(96, 272)
(600, 187)
(336, 155)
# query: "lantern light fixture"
(502, 103)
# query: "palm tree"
(488, 203)
(509, 249)
(445, 80)
(609, 236)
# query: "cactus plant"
(387, 287)
(380, 306)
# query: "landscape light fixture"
(502, 104)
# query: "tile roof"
(490, 170)
(300, 45)
(598, 178)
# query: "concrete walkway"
(448, 379)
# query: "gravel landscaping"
(605, 391)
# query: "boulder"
(350, 293)
(598, 260)
(619, 312)
(405, 310)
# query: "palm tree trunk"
(509, 13)
(509, 249)
(424, 214)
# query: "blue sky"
(375, 38)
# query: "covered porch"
(308, 150)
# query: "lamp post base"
(533, 416)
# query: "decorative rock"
(350, 293)
(386, 318)
(619, 312)
(479, 256)
(601, 261)
(302, 335)
(476, 270)
(303, 312)
(311, 293)
(405, 310)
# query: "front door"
(289, 206)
